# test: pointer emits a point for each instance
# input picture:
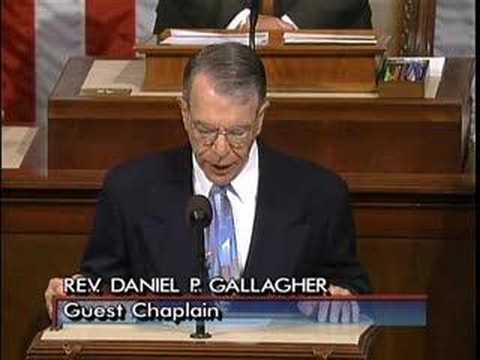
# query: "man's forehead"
(205, 88)
(202, 83)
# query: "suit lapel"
(170, 246)
(270, 251)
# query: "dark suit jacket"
(303, 223)
(307, 14)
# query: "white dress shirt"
(243, 199)
(242, 17)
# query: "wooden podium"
(289, 67)
(120, 342)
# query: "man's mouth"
(221, 167)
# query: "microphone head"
(199, 211)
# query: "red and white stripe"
(39, 36)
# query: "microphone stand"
(199, 236)
(253, 5)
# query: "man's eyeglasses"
(236, 137)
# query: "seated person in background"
(291, 14)
(274, 216)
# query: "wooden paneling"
(28, 262)
(344, 134)
(410, 23)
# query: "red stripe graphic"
(110, 27)
(18, 60)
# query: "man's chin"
(221, 180)
(220, 177)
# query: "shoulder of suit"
(150, 169)
(295, 169)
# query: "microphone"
(199, 216)
(199, 212)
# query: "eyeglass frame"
(235, 140)
(219, 131)
(185, 105)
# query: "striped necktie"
(222, 252)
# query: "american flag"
(38, 36)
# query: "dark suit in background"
(303, 223)
(306, 14)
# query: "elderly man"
(278, 216)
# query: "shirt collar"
(244, 184)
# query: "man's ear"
(184, 110)
(260, 116)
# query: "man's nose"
(221, 145)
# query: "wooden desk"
(346, 134)
(289, 67)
